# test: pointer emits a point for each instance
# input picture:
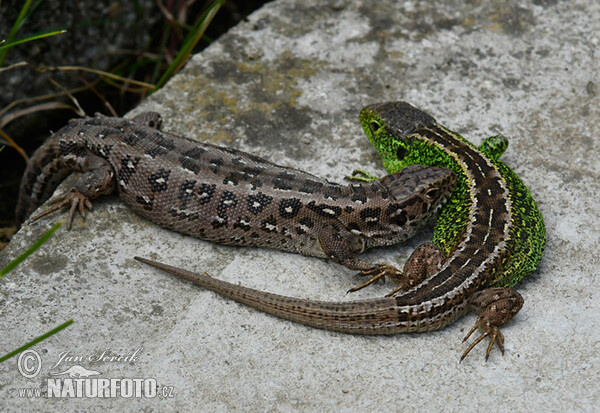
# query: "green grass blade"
(31, 38)
(190, 42)
(36, 340)
(11, 265)
(15, 28)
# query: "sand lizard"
(228, 196)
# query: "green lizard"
(488, 237)
(403, 135)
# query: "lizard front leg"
(360, 175)
(341, 245)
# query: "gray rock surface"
(288, 84)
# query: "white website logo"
(101, 388)
(78, 381)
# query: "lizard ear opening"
(400, 152)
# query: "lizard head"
(431, 183)
(420, 191)
(389, 127)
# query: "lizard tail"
(374, 316)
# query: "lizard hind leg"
(73, 199)
(96, 181)
(426, 260)
(496, 307)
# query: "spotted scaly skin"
(228, 196)
(490, 236)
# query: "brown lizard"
(228, 196)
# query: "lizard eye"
(374, 126)
(400, 153)
(432, 193)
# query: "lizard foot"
(496, 307)
(379, 272)
(73, 199)
(424, 261)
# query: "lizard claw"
(378, 272)
(495, 337)
(75, 199)
(497, 306)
